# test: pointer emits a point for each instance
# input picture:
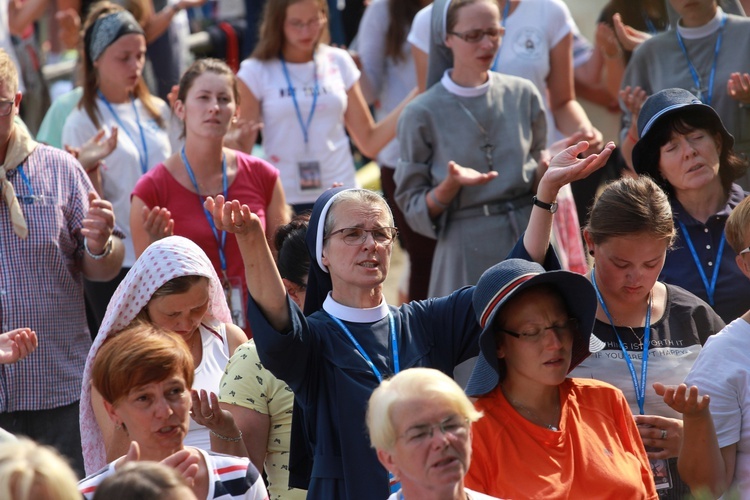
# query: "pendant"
(487, 148)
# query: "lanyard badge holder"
(309, 175)
(659, 467)
(393, 483)
(232, 285)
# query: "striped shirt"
(41, 281)
(229, 478)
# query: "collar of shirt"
(736, 195)
(702, 31)
(353, 314)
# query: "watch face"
(553, 208)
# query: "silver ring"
(239, 225)
(664, 433)
(209, 417)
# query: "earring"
(118, 426)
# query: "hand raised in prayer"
(738, 87)
(205, 410)
(630, 38)
(465, 176)
(17, 344)
(565, 167)
(233, 217)
(98, 223)
(633, 99)
(158, 223)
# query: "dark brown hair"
(400, 14)
(731, 166)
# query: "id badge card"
(309, 174)
(233, 293)
(662, 474)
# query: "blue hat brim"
(580, 300)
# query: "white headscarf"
(162, 261)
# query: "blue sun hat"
(503, 281)
(655, 112)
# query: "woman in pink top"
(169, 199)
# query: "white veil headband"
(162, 261)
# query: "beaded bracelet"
(230, 439)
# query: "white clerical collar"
(460, 91)
(354, 314)
(702, 31)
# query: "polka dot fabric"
(162, 261)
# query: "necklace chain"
(535, 418)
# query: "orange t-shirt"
(597, 453)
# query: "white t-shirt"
(208, 376)
(531, 31)
(122, 167)
(283, 137)
(722, 371)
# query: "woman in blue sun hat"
(687, 150)
(536, 327)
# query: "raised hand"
(738, 87)
(97, 148)
(565, 167)
(98, 223)
(158, 223)
(16, 344)
(205, 410)
(633, 99)
(242, 134)
(465, 176)
(683, 400)
(232, 217)
(186, 463)
(630, 38)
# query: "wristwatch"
(551, 207)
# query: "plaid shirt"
(41, 282)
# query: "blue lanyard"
(649, 23)
(640, 388)
(694, 73)
(394, 345)
(506, 12)
(305, 126)
(26, 183)
(142, 155)
(710, 287)
(219, 241)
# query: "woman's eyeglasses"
(6, 107)
(567, 328)
(354, 236)
(476, 36)
(454, 425)
(312, 24)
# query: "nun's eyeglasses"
(354, 236)
(566, 328)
